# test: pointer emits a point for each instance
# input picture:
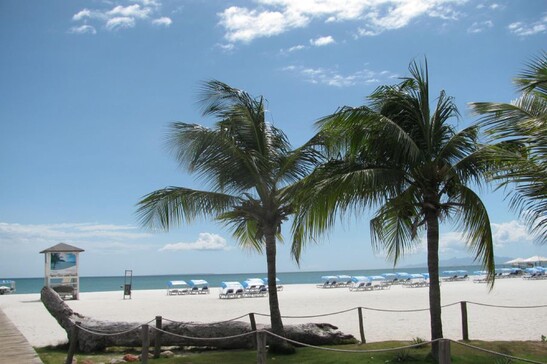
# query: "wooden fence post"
(157, 340)
(444, 351)
(465, 328)
(260, 347)
(73, 342)
(253, 328)
(145, 344)
(361, 325)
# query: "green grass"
(534, 350)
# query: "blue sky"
(88, 88)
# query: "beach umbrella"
(177, 283)
(516, 261)
(377, 278)
(198, 282)
(358, 279)
(535, 259)
(266, 280)
(344, 277)
(329, 278)
(234, 285)
(403, 275)
(416, 276)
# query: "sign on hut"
(61, 270)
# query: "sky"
(88, 90)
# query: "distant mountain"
(453, 262)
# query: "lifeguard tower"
(61, 269)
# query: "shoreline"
(27, 312)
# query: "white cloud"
(332, 77)
(244, 25)
(512, 232)
(122, 16)
(478, 27)
(41, 235)
(206, 241)
(165, 21)
(82, 14)
(296, 48)
(132, 11)
(522, 29)
(121, 22)
(322, 41)
(228, 47)
(83, 29)
(273, 17)
(292, 49)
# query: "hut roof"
(62, 247)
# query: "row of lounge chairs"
(362, 283)
(504, 273)
(335, 281)
(194, 286)
(535, 273)
(252, 287)
(455, 276)
(369, 283)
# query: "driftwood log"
(311, 333)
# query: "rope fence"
(259, 336)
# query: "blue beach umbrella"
(198, 282)
(358, 279)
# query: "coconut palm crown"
(520, 130)
(247, 165)
(404, 158)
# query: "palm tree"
(520, 128)
(248, 165)
(405, 158)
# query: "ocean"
(100, 284)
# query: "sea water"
(102, 284)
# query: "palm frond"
(393, 228)
(534, 78)
(245, 229)
(474, 221)
(172, 205)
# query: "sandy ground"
(485, 323)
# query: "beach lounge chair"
(7, 286)
(343, 281)
(402, 277)
(230, 290)
(379, 282)
(329, 282)
(177, 288)
(416, 280)
(251, 287)
(390, 277)
(358, 283)
(449, 276)
(199, 286)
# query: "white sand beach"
(485, 323)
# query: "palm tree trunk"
(434, 287)
(276, 346)
(275, 313)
